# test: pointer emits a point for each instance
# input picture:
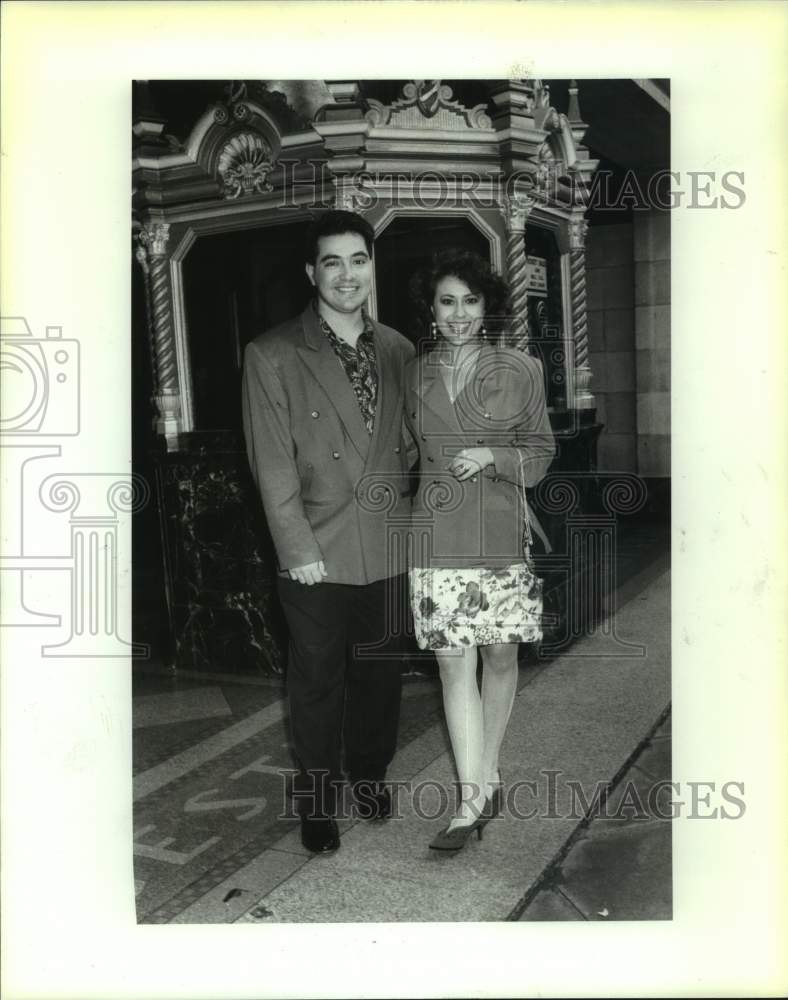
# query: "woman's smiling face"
(458, 311)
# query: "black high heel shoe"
(492, 806)
(456, 839)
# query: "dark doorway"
(237, 285)
(407, 245)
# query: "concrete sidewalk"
(618, 866)
(578, 721)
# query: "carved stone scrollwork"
(154, 238)
(552, 121)
(547, 170)
(427, 104)
(578, 228)
(516, 209)
(245, 164)
(235, 94)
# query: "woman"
(477, 412)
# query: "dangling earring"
(433, 330)
(483, 331)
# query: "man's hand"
(469, 462)
(309, 574)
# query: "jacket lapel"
(389, 387)
(319, 356)
(481, 394)
(431, 390)
(478, 397)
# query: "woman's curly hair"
(477, 275)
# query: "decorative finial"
(573, 113)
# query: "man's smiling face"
(342, 273)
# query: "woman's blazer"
(501, 407)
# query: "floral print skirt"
(475, 607)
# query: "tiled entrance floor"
(210, 845)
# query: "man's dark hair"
(335, 223)
(477, 275)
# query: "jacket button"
(479, 440)
(315, 414)
(488, 416)
(397, 450)
(430, 458)
(423, 437)
(413, 414)
(335, 454)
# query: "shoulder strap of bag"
(529, 518)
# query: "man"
(322, 412)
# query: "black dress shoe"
(373, 800)
(320, 834)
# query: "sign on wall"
(536, 275)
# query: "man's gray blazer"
(330, 490)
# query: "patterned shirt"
(360, 367)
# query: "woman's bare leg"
(462, 704)
(499, 686)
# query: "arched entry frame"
(382, 216)
(174, 399)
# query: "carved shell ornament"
(244, 165)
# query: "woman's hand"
(470, 462)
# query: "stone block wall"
(652, 341)
(611, 334)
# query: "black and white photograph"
(393, 499)
(402, 382)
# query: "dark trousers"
(337, 688)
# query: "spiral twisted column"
(516, 211)
(584, 400)
(153, 258)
